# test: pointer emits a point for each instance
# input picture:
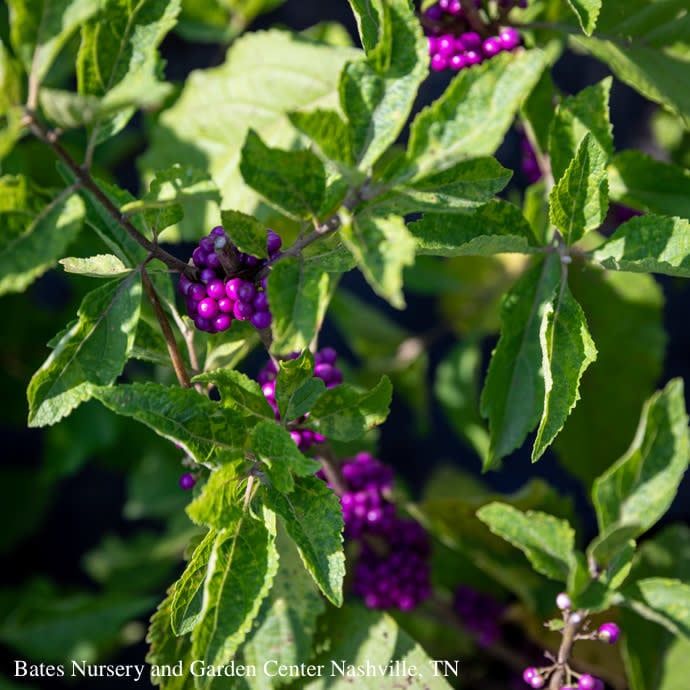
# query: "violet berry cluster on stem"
(392, 568)
(226, 290)
(325, 368)
(455, 45)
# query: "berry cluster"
(454, 45)
(607, 632)
(216, 299)
(480, 614)
(392, 568)
(325, 369)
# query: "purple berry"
(222, 322)
(433, 13)
(202, 323)
(454, 8)
(529, 673)
(218, 231)
(196, 292)
(208, 308)
(433, 44)
(471, 40)
(251, 260)
(184, 285)
(269, 389)
(438, 62)
(563, 602)
(225, 305)
(327, 355)
(187, 481)
(199, 257)
(273, 243)
(261, 302)
(537, 682)
(207, 275)
(472, 57)
(609, 633)
(509, 37)
(261, 319)
(458, 62)
(445, 45)
(216, 289)
(246, 292)
(587, 682)
(492, 46)
(242, 311)
(206, 244)
(324, 372)
(213, 261)
(232, 286)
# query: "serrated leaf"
(313, 518)
(648, 244)
(547, 542)
(91, 353)
(495, 228)
(669, 599)
(382, 247)
(247, 233)
(458, 189)
(585, 112)
(118, 59)
(34, 231)
(220, 502)
(567, 351)
(639, 488)
(457, 389)
(238, 391)
(641, 182)
(297, 389)
(299, 292)
(328, 130)
(187, 593)
(513, 395)
(356, 635)
(98, 266)
(345, 413)
(294, 182)
(579, 201)
(244, 93)
(40, 28)
(243, 563)
(601, 426)
(377, 94)
(474, 113)
(587, 12)
(274, 446)
(202, 427)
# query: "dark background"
(88, 505)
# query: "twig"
(50, 138)
(171, 343)
(565, 650)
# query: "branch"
(171, 343)
(565, 650)
(50, 137)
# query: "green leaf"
(457, 389)
(247, 233)
(188, 591)
(274, 446)
(241, 570)
(639, 181)
(40, 28)
(91, 353)
(345, 413)
(646, 46)
(34, 231)
(98, 266)
(294, 182)
(355, 635)
(11, 99)
(285, 628)
(328, 131)
(219, 503)
(382, 247)
(547, 542)
(601, 426)
(640, 487)
(377, 94)
(238, 392)
(648, 244)
(474, 113)
(202, 427)
(587, 112)
(297, 389)
(587, 12)
(314, 520)
(458, 189)
(670, 599)
(244, 93)
(579, 201)
(298, 292)
(495, 228)
(567, 351)
(513, 394)
(118, 59)
(170, 191)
